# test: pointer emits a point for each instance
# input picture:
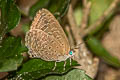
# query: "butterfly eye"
(71, 52)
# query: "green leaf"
(39, 4)
(37, 68)
(57, 7)
(10, 54)
(13, 15)
(75, 74)
(25, 27)
(100, 29)
(96, 47)
(10, 16)
(97, 9)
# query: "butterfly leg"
(64, 65)
(70, 61)
(54, 66)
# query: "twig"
(101, 19)
(86, 12)
(73, 3)
(82, 54)
(84, 3)
(67, 28)
(69, 35)
(73, 25)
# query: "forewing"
(46, 22)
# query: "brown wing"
(41, 45)
(46, 22)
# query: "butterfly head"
(71, 53)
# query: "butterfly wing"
(46, 22)
(41, 45)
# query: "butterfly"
(47, 40)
